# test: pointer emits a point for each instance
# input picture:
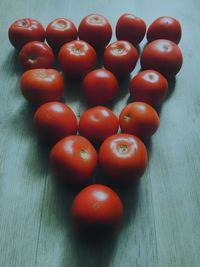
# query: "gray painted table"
(162, 214)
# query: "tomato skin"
(39, 86)
(25, 30)
(165, 28)
(97, 123)
(73, 160)
(97, 210)
(140, 119)
(163, 56)
(130, 28)
(149, 86)
(100, 86)
(120, 57)
(123, 158)
(96, 30)
(77, 58)
(53, 121)
(59, 32)
(36, 55)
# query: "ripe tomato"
(73, 159)
(77, 58)
(130, 28)
(60, 31)
(96, 30)
(163, 56)
(123, 158)
(100, 86)
(97, 210)
(25, 30)
(149, 86)
(54, 121)
(120, 57)
(165, 28)
(140, 119)
(42, 85)
(97, 123)
(36, 55)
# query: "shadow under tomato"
(11, 64)
(171, 87)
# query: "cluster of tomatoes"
(122, 156)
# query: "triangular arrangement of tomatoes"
(122, 157)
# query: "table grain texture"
(162, 214)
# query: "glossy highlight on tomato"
(100, 86)
(97, 123)
(149, 86)
(120, 57)
(73, 160)
(36, 55)
(53, 121)
(130, 28)
(77, 58)
(39, 86)
(162, 55)
(25, 30)
(97, 210)
(96, 30)
(60, 31)
(165, 28)
(140, 119)
(123, 158)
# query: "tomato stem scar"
(84, 154)
(122, 148)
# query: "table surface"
(162, 214)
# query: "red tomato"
(36, 55)
(25, 30)
(120, 57)
(140, 119)
(97, 123)
(149, 86)
(77, 58)
(130, 28)
(96, 30)
(54, 121)
(163, 56)
(60, 31)
(73, 159)
(42, 85)
(123, 158)
(100, 86)
(97, 210)
(165, 28)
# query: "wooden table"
(162, 215)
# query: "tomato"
(25, 30)
(140, 119)
(100, 86)
(77, 58)
(54, 121)
(60, 31)
(73, 159)
(163, 56)
(120, 57)
(149, 86)
(36, 55)
(97, 123)
(42, 85)
(123, 158)
(165, 28)
(97, 210)
(96, 30)
(130, 28)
